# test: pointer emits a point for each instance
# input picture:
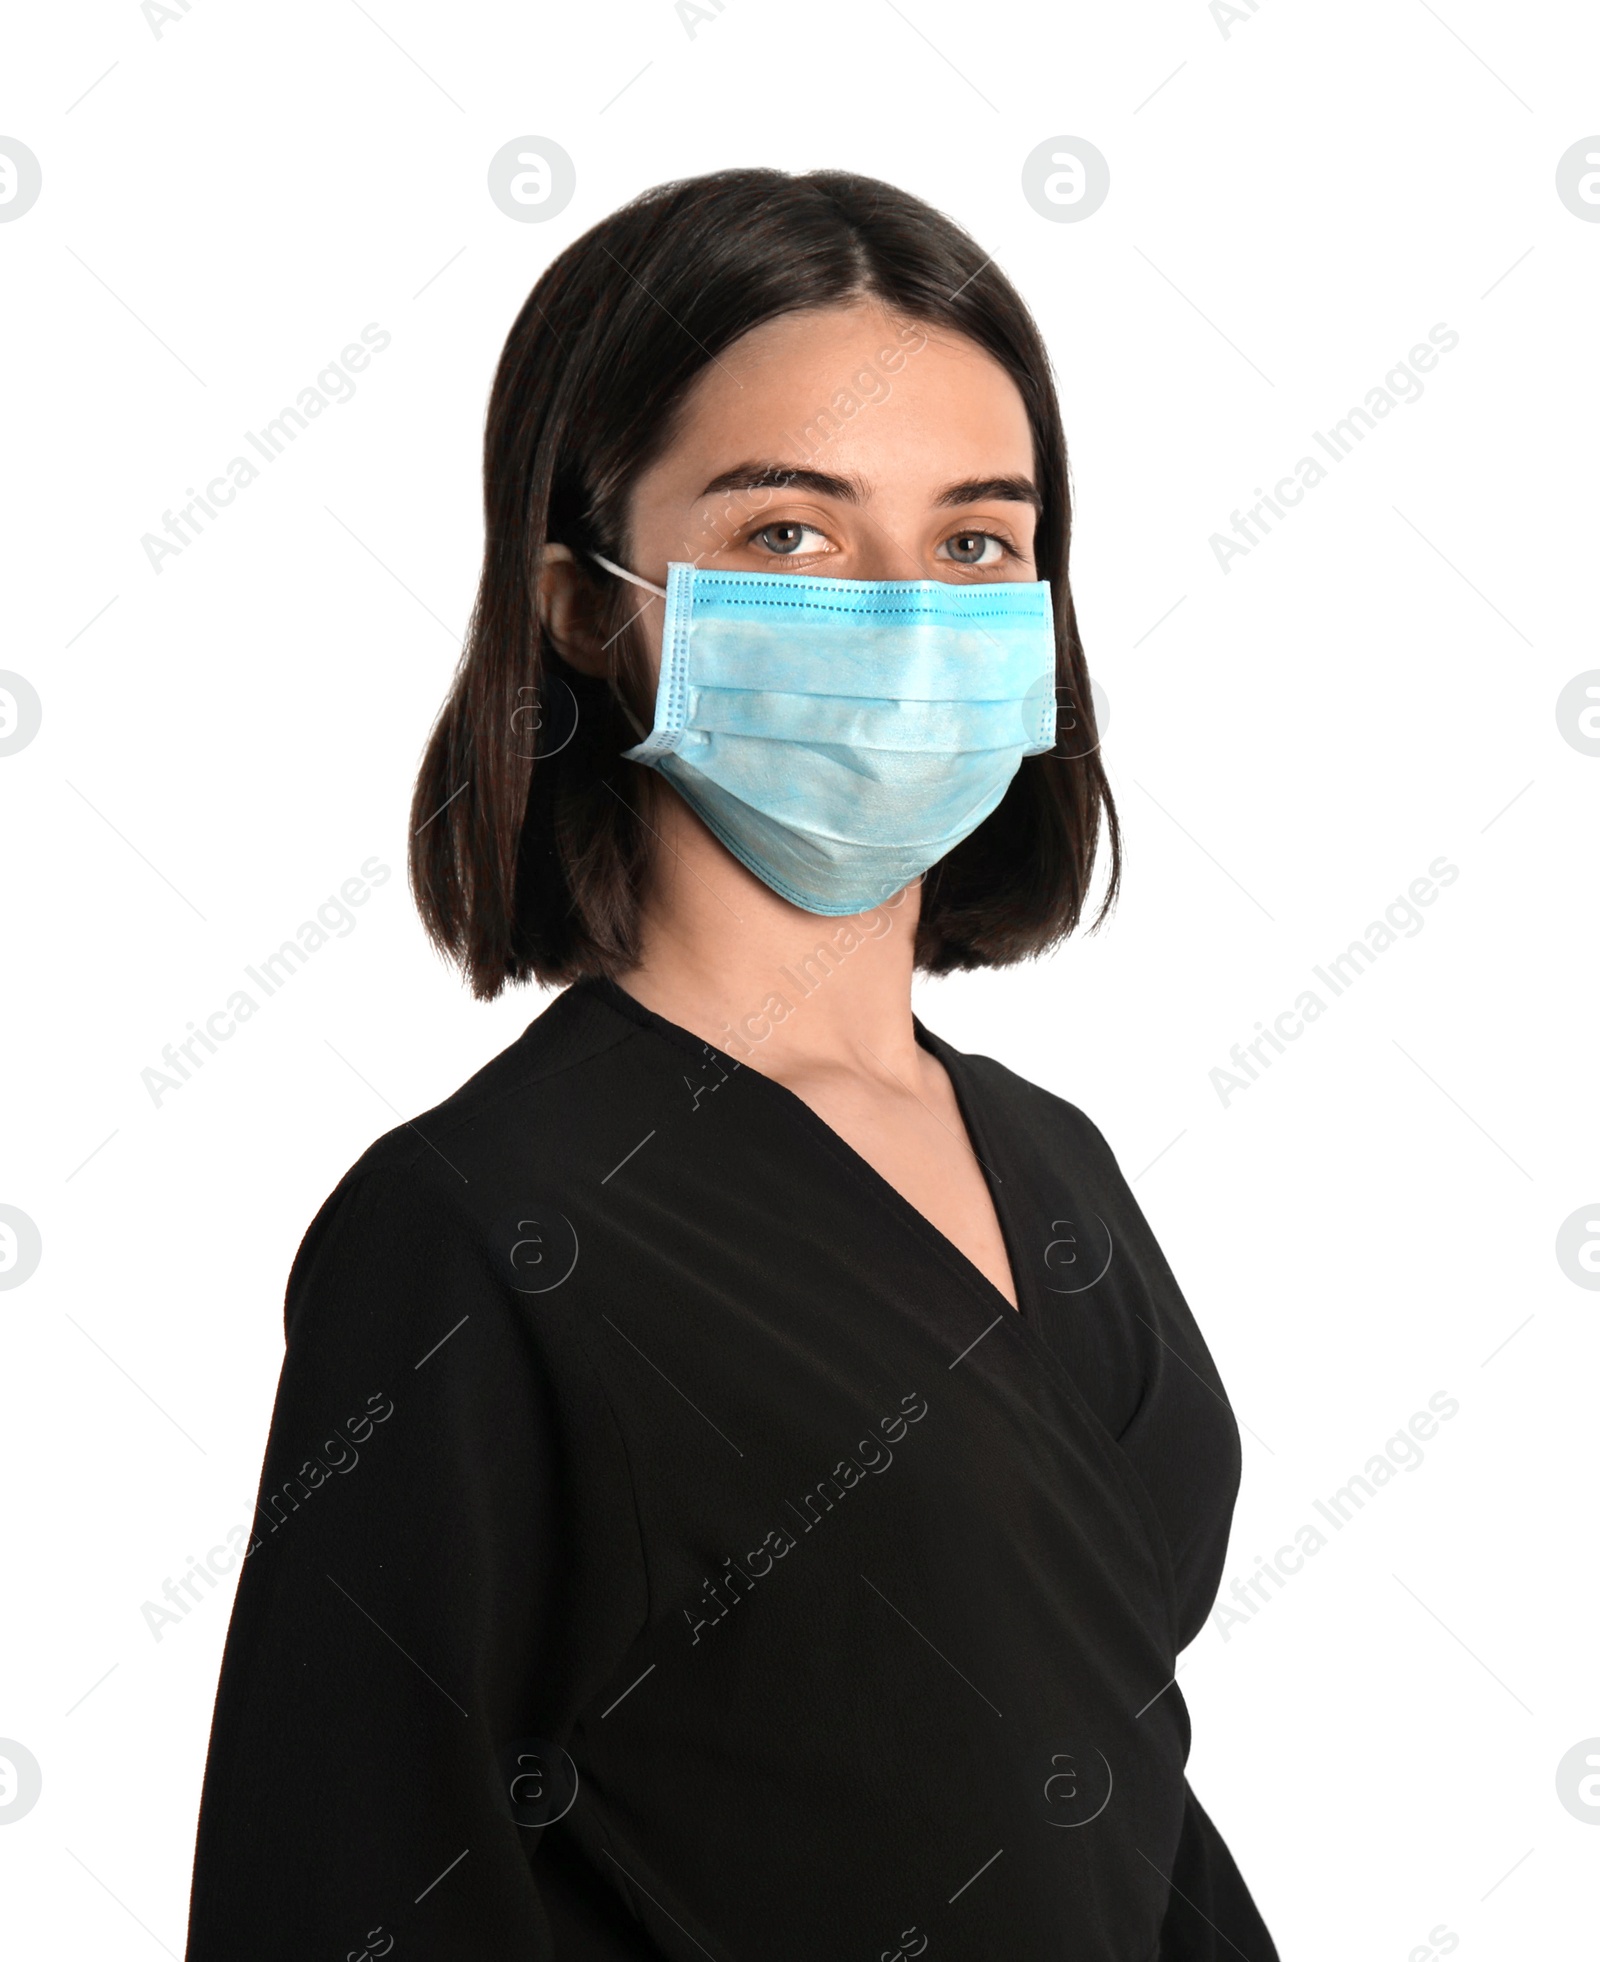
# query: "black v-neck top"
(670, 1545)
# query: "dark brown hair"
(530, 834)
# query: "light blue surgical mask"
(840, 736)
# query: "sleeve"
(444, 1568)
(1210, 1914)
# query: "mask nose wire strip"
(633, 579)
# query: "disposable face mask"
(840, 736)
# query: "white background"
(1293, 205)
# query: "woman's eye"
(786, 541)
(974, 548)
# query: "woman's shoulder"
(1046, 1116)
(525, 1099)
(432, 1199)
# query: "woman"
(743, 1470)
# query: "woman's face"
(846, 444)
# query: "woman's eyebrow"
(980, 490)
(786, 476)
(851, 490)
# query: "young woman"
(742, 1471)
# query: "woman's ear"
(570, 607)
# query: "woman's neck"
(789, 993)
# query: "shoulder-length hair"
(530, 834)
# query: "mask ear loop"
(633, 579)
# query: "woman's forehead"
(856, 391)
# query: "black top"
(671, 1545)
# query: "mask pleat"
(841, 736)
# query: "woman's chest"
(761, 1300)
(907, 1126)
